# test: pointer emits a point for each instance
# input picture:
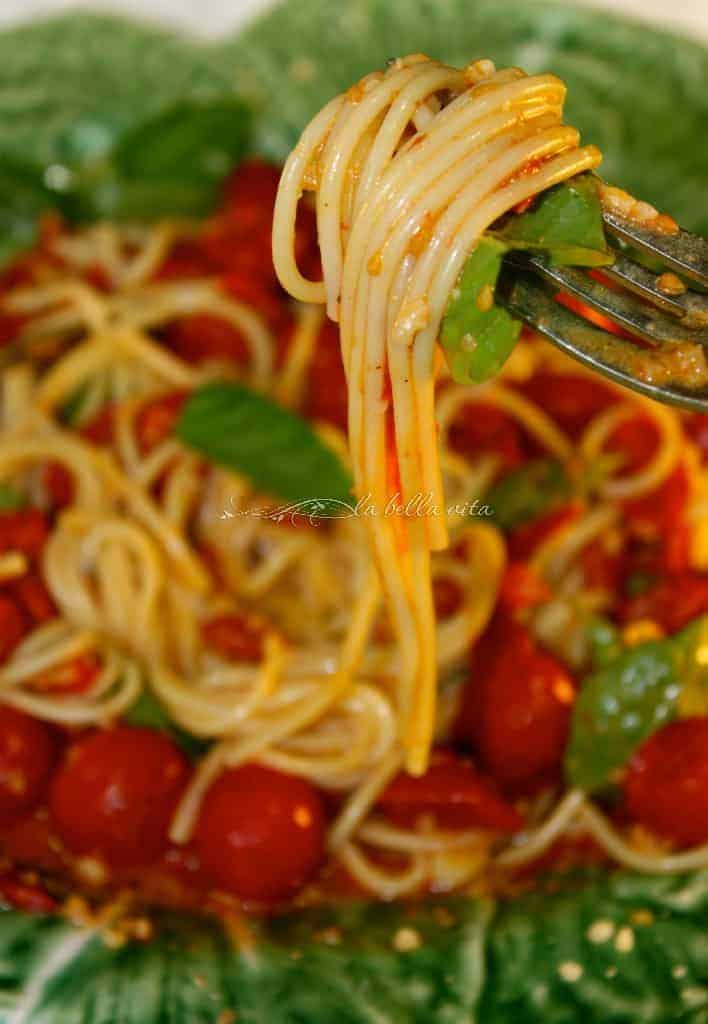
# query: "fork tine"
(691, 308)
(681, 251)
(620, 360)
(645, 321)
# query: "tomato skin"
(25, 531)
(671, 602)
(261, 833)
(235, 636)
(516, 708)
(12, 626)
(480, 428)
(115, 793)
(666, 785)
(695, 425)
(157, 418)
(201, 337)
(570, 399)
(99, 429)
(326, 389)
(660, 520)
(453, 793)
(27, 753)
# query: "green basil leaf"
(622, 704)
(604, 640)
(10, 499)
(565, 222)
(478, 336)
(24, 197)
(172, 164)
(277, 449)
(148, 713)
(528, 492)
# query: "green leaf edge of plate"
(535, 959)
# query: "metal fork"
(665, 323)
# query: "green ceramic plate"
(68, 88)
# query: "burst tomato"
(26, 758)
(261, 833)
(516, 708)
(115, 793)
(666, 786)
(453, 793)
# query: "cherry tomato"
(666, 786)
(235, 636)
(593, 316)
(12, 626)
(26, 759)
(261, 833)
(115, 793)
(602, 568)
(326, 390)
(25, 530)
(571, 399)
(671, 602)
(453, 793)
(516, 708)
(157, 418)
(480, 428)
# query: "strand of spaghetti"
(659, 466)
(610, 840)
(527, 846)
(359, 803)
(388, 885)
(412, 165)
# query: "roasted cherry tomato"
(25, 530)
(115, 793)
(480, 428)
(516, 708)
(671, 602)
(571, 399)
(157, 418)
(32, 897)
(666, 786)
(12, 626)
(26, 758)
(237, 637)
(453, 793)
(660, 521)
(695, 426)
(261, 833)
(326, 388)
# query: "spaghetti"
(330, 656)
(410, 167)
